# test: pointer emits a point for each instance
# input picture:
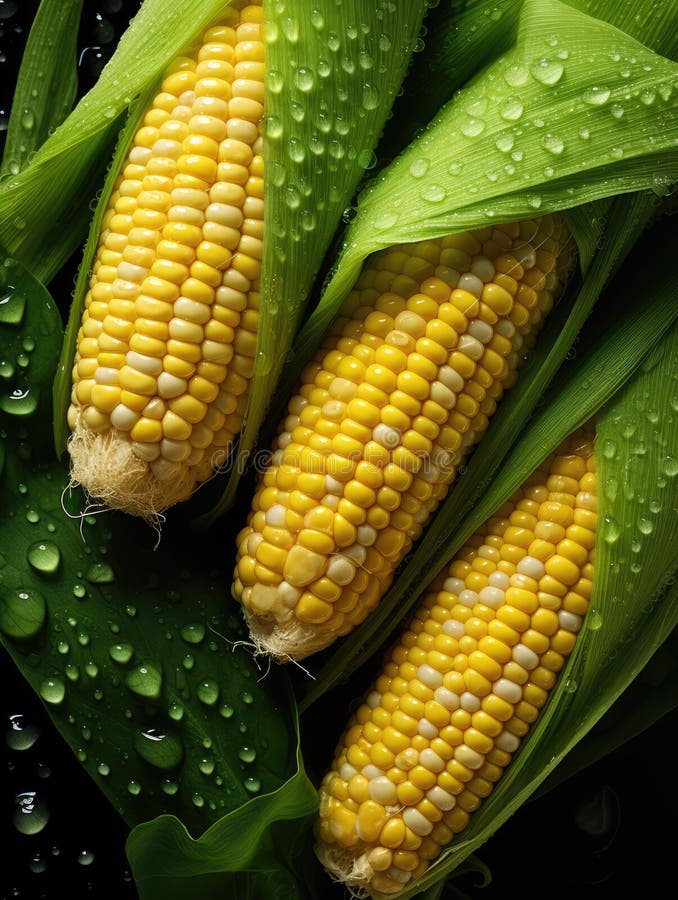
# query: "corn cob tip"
(107, 468)
(288, 641)
(353, 873)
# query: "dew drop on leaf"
(12, 307)
(596, 96)
(547, 71)
(121, 653)
(511, 109)
(159, 748)
(145, 681)
(22, 613)
(44, 557)
(52, 690)
(194, 633)
(100, 573)
(208, 692)
(516, 75)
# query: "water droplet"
(547, 71)
(193, 634)
(206, 765)
(371, 96)
(85, 858)
(44, 557)
(247, 698)
(208, 692)
(609, 449)
(22, 613)
(596, 96)
(617, 153)
(511, 109)
(198, 800)
(12, 307)
(669, 466)
(274, 81)
(226, 711)
(175, 711)
(516, 75)
(473, 127)
(252, 785)
(385, 220)
(159, 748)
(646, 526)
(104, 769)
(134, 788)
(38, 864)
(419, 167)
(611, 530)
(145, 681)
(121, 653)
(188, 661)
(72, 672)
(32, 516)
(247, 754)
(534, 200)
(79, 591)
(100, 573)
(647, 97)
(63, 647)
(274, 127)
(570, 686)
(20, 734)
(304, 79)
(52, 690)
(20, 402)
(505, 142)
(31, 813)
(433, 193)
(553, 144)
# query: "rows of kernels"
(401, 389)
(467, 678)
(167, 342)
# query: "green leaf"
(517, 142)
(464, 35)
(133, 650)
(250, 852)
(30, 330)
(47, 82)
(461, 37)
(332, 78)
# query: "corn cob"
(403, 387)
(166, 346)
(468, 677)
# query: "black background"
(607, 832)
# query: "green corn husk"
(324, 82)
(465, 33)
